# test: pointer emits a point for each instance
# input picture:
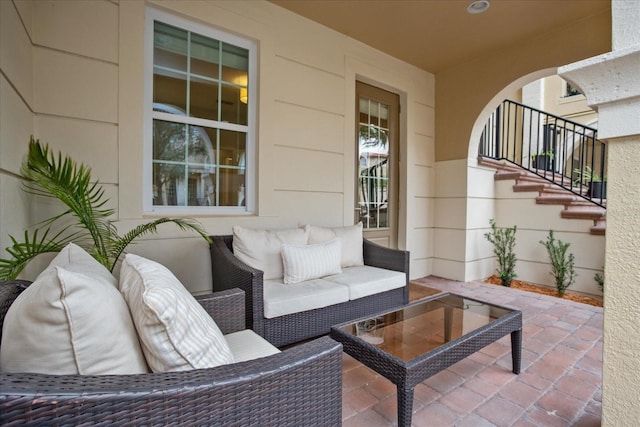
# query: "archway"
(517, 84)
(488, 198)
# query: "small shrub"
(599, 278)
(504, 241)
(561, 262)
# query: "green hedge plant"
(562, 263)
(504, 241)
(599, 278)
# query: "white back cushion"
(305, 262)
(71, 320)
(261, 249)
(176, 332)
(351, 238)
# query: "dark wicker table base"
(407, 374)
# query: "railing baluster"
(573, 145)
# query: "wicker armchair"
(299, 386)
(229, 272)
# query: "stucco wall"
(464, 90)
(87, 100)
(465, 96)
(571, 107)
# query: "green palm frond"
(32, 246)
(152, 228)
(65, 180)
(62, 178)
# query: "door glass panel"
(373, 172)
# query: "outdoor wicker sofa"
(229, 272)
(299, 386)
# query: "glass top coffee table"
(414, 342)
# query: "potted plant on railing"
(597, 186)
(543, 160)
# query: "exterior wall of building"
(16, 114)
(85, 97)
(466, 95)
(496, 199)
(601, 79)
(571, 107)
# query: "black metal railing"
(559, 150)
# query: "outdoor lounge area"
(557, 380)
(432, 123)
(560, 383)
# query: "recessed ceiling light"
(478, 6)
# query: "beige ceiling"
(437, 34)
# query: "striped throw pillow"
(176, 333)
(306, 262)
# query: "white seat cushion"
(306, 262)
(71, 320)
(261, 249)
(281, 299)
(177, 334)
(364, 281)
(247, 345)
(350, 237)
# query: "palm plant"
(86, 220)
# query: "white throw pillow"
(176, 332)
(71, 320)
(306, 262)
(82, 261)
(351, 238)
(261, 249)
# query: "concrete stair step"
(556, 199)
(533, 186)
(583, 212)
(503, 175)
(575, 207)
(599, 228)
(486, 161)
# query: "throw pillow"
(306, 262)
(176, 332)
(261, 249)
(71, 320)
(73, 254)
(351, 238)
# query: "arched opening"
(519, 200)
(486, 112)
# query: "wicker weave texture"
(229, 272)
(251, 393)
(406, 375)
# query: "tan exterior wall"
(463, 91)
(621, 360)
(465, 96)
(496, 199)
(571, 107)
(87, 100)
(16, 114)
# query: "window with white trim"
(199, 128)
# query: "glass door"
(376, 201)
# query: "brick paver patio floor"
(560, 383)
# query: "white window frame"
(249, 129)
